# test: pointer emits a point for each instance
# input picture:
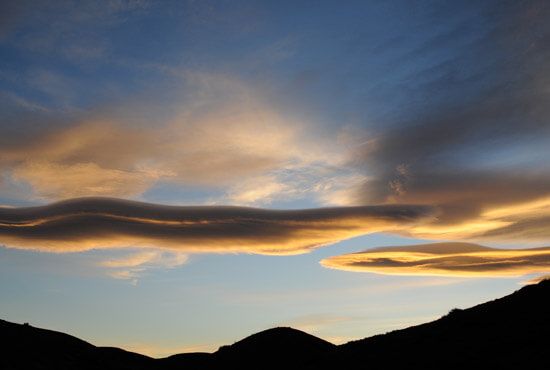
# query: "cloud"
(89, 223)
(132, 266)
(147, 257)
(219, 134)
(472, 136)
(467, 129)
(536, 279)
(260, 190)
(445, 259)
(81, 179)
(484, 206)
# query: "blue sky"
(434, 109)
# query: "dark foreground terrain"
(510, 332)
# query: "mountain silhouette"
(27, 347)
(274, 348)
(508, 332)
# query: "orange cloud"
(536, 279)
(526, 220)
(89, 223)
(224, 135)
(445, 259)
(81, 179)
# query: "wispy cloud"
(260, 190)
(536, 279)
(471, 133)
(445, 259)
(221, 134)
(132, 266)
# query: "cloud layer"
(218, 133)
(88, 223)
(445, 259)
(192, 148)
(454, 118)
(472, 137)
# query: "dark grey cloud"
(87, 223)
(530, 226)
(475, 134)
(460, 193)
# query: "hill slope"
(510, 331)
(26, 347)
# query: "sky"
(177, 175)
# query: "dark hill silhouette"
(268, 349)
(510, 332)
(273, 348)
(27, 347)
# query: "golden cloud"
(113, 159)
(526, 220)
(90, 223)
(445, 259)
(223, 135)
(81, 179)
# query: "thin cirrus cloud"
(445, 259)
(134, 265)
(90, 223)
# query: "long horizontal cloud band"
(86, 223)
(445, 259)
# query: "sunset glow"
(182, 174)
